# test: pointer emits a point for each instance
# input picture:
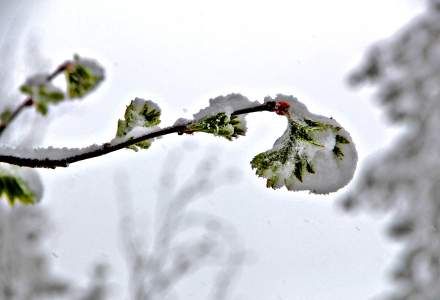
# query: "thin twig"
(59, 70)
(106, 148)
(28, 102)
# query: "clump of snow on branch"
(217, 118)
(181, 122)
(51, 153)
(140, 118)
(226, 104)
(315, 153)
(92, 65)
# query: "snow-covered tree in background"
(25, 268)
(184, 241)
(406, 180)
(25, 260)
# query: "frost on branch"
(82, 76)
(217, 118)
(42, 92)
(140, 117)
(20, 184)
(315, 153)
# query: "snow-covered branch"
(9, 117)
(62, 157)
(315, 152)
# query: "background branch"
(28, 102)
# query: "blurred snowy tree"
(25, 272)
(406, 180)
(184, 241)
(25, 262)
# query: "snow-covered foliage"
(20, 184)
(406, 179)
(25, 271)
(42, 92)
(315, 153)
(83, 76)
(226, 104)
(141, 117)
(217, 118)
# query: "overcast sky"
(180, 54)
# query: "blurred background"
(188, 218)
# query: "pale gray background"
(179, 54)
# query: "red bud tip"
(281, 108)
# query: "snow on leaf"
(82, 76)
(5, 116)
(315, 153)
(20, 184)
(139, 118)
(42, 92)
(217, 118)
(220, 124)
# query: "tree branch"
(28, 102)
(95, 151)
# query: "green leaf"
(5, 116)
(315, 153)
(14, 189)
(220, 124)
(338, 152)
(139, 114)
(42, 92)
(82, 76)
(141, 145)
(218, 118)
(42, 108)
(288, 161)
(341, 140)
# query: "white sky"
(180, 54)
